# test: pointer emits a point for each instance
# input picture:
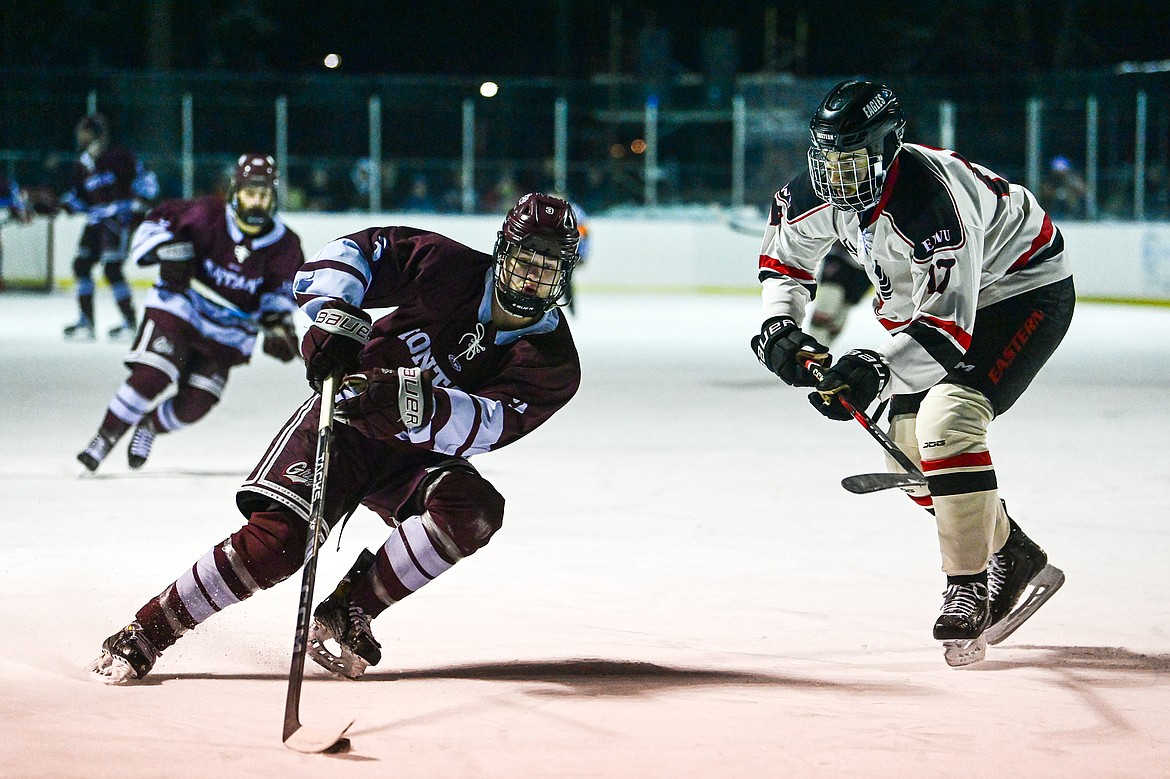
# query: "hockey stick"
(874, 482)
(298, 737)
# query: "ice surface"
(681, 587)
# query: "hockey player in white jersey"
(973, 286)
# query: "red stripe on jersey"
(961, 336)
(887, 190)
(773, 264)
(966, 460)
(892, 324)
(1041, 240)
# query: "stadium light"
(489, 89)
(332, 61)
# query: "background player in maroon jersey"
(106, 181)
(225, 274)
(496, 360)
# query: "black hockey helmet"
(255, 169)
(536, 251)
(856, 133)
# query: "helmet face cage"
(254, 170)
(856, 133)
(535, 253)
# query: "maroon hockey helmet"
(253, 170)
(536, 251)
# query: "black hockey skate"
(966, 613)
(122, 332)
(141, 443)
(127, 655)
(338, 621)
(1020, 564)
(93, 454)
(81, 330)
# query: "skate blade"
(110, 670)
(313, 739)
(346, 665)
(1043, 586)
(964, 651)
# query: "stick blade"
(866, 483)
(315, 739)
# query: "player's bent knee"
(466, 507)
(271, 545)
(953, 419)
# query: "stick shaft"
(879, 435)
(296, 673)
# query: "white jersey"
(947, 238)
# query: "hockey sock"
(266, 550)
(406, 562)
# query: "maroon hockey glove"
(334, 342)
(859, 376)
(384, 402)
(782, 348)
(280, 337)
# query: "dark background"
(582, 38)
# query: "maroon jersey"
(103, 187)
(491, 386)
(213, 275)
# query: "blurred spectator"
(1062, 193)
(321, 194)
(502, 194)
(419, 198)
(359, 176)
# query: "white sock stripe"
(167, 419)
(404, 568)
(381, 592)
(155, 360)
(129, 406)
(424, 550)
(213, 582)
(172, 618)
(210, 384)
(238, 568)
(435, 533)
(192, 597)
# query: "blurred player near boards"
(841, 285)
(225, 276)
(973, 286)
(474, 356)
(14, 205)
(107, 179)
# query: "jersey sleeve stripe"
(939, 346)
(774, 265)
(1042, 239)
(958, 334)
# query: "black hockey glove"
(783, 347)
(858, 377)
(384, 402)
(174, 264)
(280, 337)
(334, 342)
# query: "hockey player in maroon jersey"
(106, 181)
(489, 359)
(225, 275)
(974, 288)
